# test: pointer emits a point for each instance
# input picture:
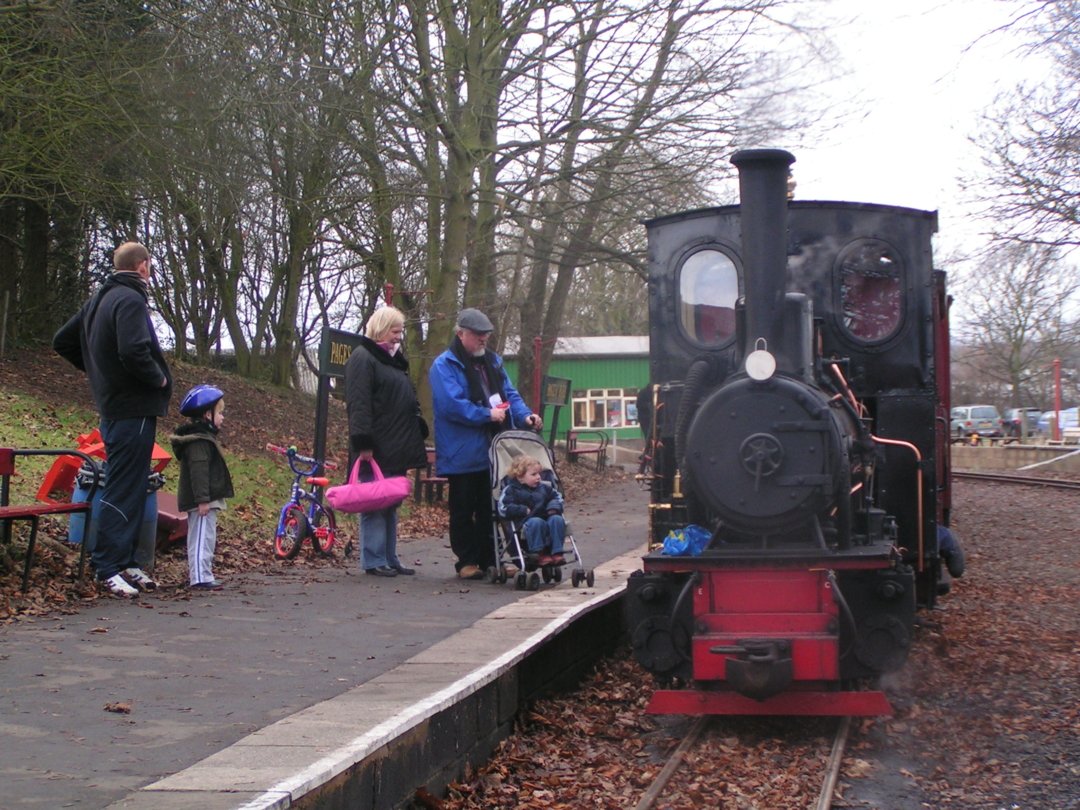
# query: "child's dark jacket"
(204, 476)
(518, 501)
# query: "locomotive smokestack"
(763, 183)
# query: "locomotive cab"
(795, 391)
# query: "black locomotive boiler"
(799, 380)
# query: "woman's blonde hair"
(382, 321)
(521, 465)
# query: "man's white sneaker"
(140, 579)
(118, 586)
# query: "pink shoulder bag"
(368, 496)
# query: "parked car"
(982, 419)
(1022, 421)
(1070, 418)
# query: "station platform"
(311, 687)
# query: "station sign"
(334, 351)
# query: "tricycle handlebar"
(290, 453)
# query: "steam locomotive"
(799, 363)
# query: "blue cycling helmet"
(200, 399)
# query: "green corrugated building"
(606, 374)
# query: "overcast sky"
(921, 71)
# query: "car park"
(984, 420)
(1022, 421)
(1070, 419)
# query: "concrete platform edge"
(457, 715)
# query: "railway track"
(670, 771)
(1027, 480)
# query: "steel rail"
(1027, 480)
(836, 756)
(828, 788)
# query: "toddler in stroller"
(530, 499)
(532, 538)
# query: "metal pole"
(537, 352)
(1056, 432)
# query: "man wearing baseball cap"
(474, 399)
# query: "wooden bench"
(596, 445)
(428, 486)
(34, 511)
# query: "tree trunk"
(33, 310)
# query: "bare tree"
(1019, 298)
(1032, 140)
(66, 117)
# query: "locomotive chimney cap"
(762, 156)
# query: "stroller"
(510, 548)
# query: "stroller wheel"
(534, 581)
(491, 574)
(521, 581)
(590, 578)
(556, 573)
(576, 577)
(545, 572)
(501, 577)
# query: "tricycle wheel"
(324, 536)
(294, 528)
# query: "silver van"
(984, 420)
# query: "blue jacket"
(519, 502)
(463, 428)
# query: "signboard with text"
(334, 351)
(556, 391)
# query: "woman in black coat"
(384, 425)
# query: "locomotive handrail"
(918, 492)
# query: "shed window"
(605, 407)
(708, 289)
(871, 287)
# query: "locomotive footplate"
(860, 557)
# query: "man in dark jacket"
(112, 340)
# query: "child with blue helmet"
(205, 482)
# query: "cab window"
(871, 286)
(708, 290)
